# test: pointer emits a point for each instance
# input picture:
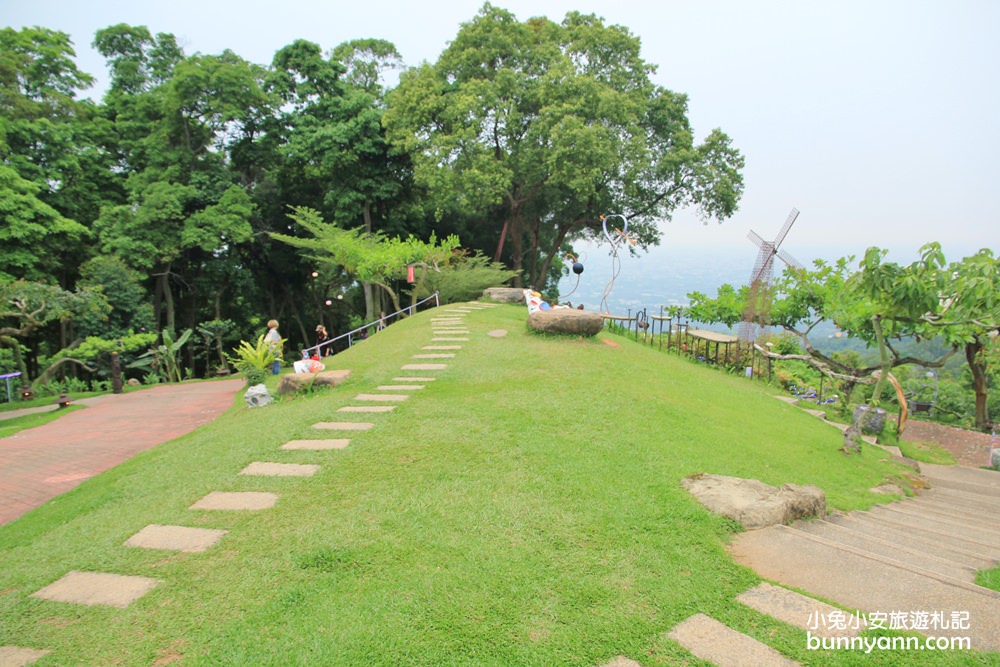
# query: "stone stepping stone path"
(268, 469)
(237, 500)
(19, 656)
(497, 333)
(344, 426)
(621, 661)
(317, 445)
(175, 538)
(797, 609)
(117, 590)
(388, 398)
(717, 643)
(97, 588)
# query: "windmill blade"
(755, 238)
(764, 269)
(784, 228)
(790, 261)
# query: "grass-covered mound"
(523, 509)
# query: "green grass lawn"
(523, 509)
(9, 427)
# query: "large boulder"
(566, 321)
(295, 382)
(504, 294)
(753, 503)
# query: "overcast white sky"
(877, 119)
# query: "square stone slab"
(399, 387)
(435, 355)
(344, 426)
(798, 610)
(18, 656)
(175, 538)
(388, 398)
(401, 379)
(424, 367)
(90, 588)
(334, 443)
(236, 500)
(268, 469)
(367, 408)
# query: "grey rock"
(295, 382)
(257, 396)
(504, 294)
(753, 503)
(566, 321)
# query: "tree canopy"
(169, 197)
(531, 131)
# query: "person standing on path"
(273, 339)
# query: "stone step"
(710, 640)
(413, 379)
(966, 515)
(271, 469)
(399, 387)
(907, 554)
(318, 445)
(990, 479)
(434, 355)
(803, 612)
(424, 367)
(21, 656)
(968, 553)
(935, 524)
(367, 408)
(382, 398)
(958, 497)
(344, 426)
(860, 580)
(961, 485)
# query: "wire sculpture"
(617, 237)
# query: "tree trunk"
(517, 250)
(163, 288)
(537, 282)
(974, 354)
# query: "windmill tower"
(759, 303)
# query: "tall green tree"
(536, 129)
(52, 165)
(177, 118)
(335, 154)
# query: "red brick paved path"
(38, 464)
(970, 448)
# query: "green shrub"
(254, 361)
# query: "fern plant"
(254, 360)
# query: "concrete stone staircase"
(915, 555)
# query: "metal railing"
(379, 324)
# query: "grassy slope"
(524, 509)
